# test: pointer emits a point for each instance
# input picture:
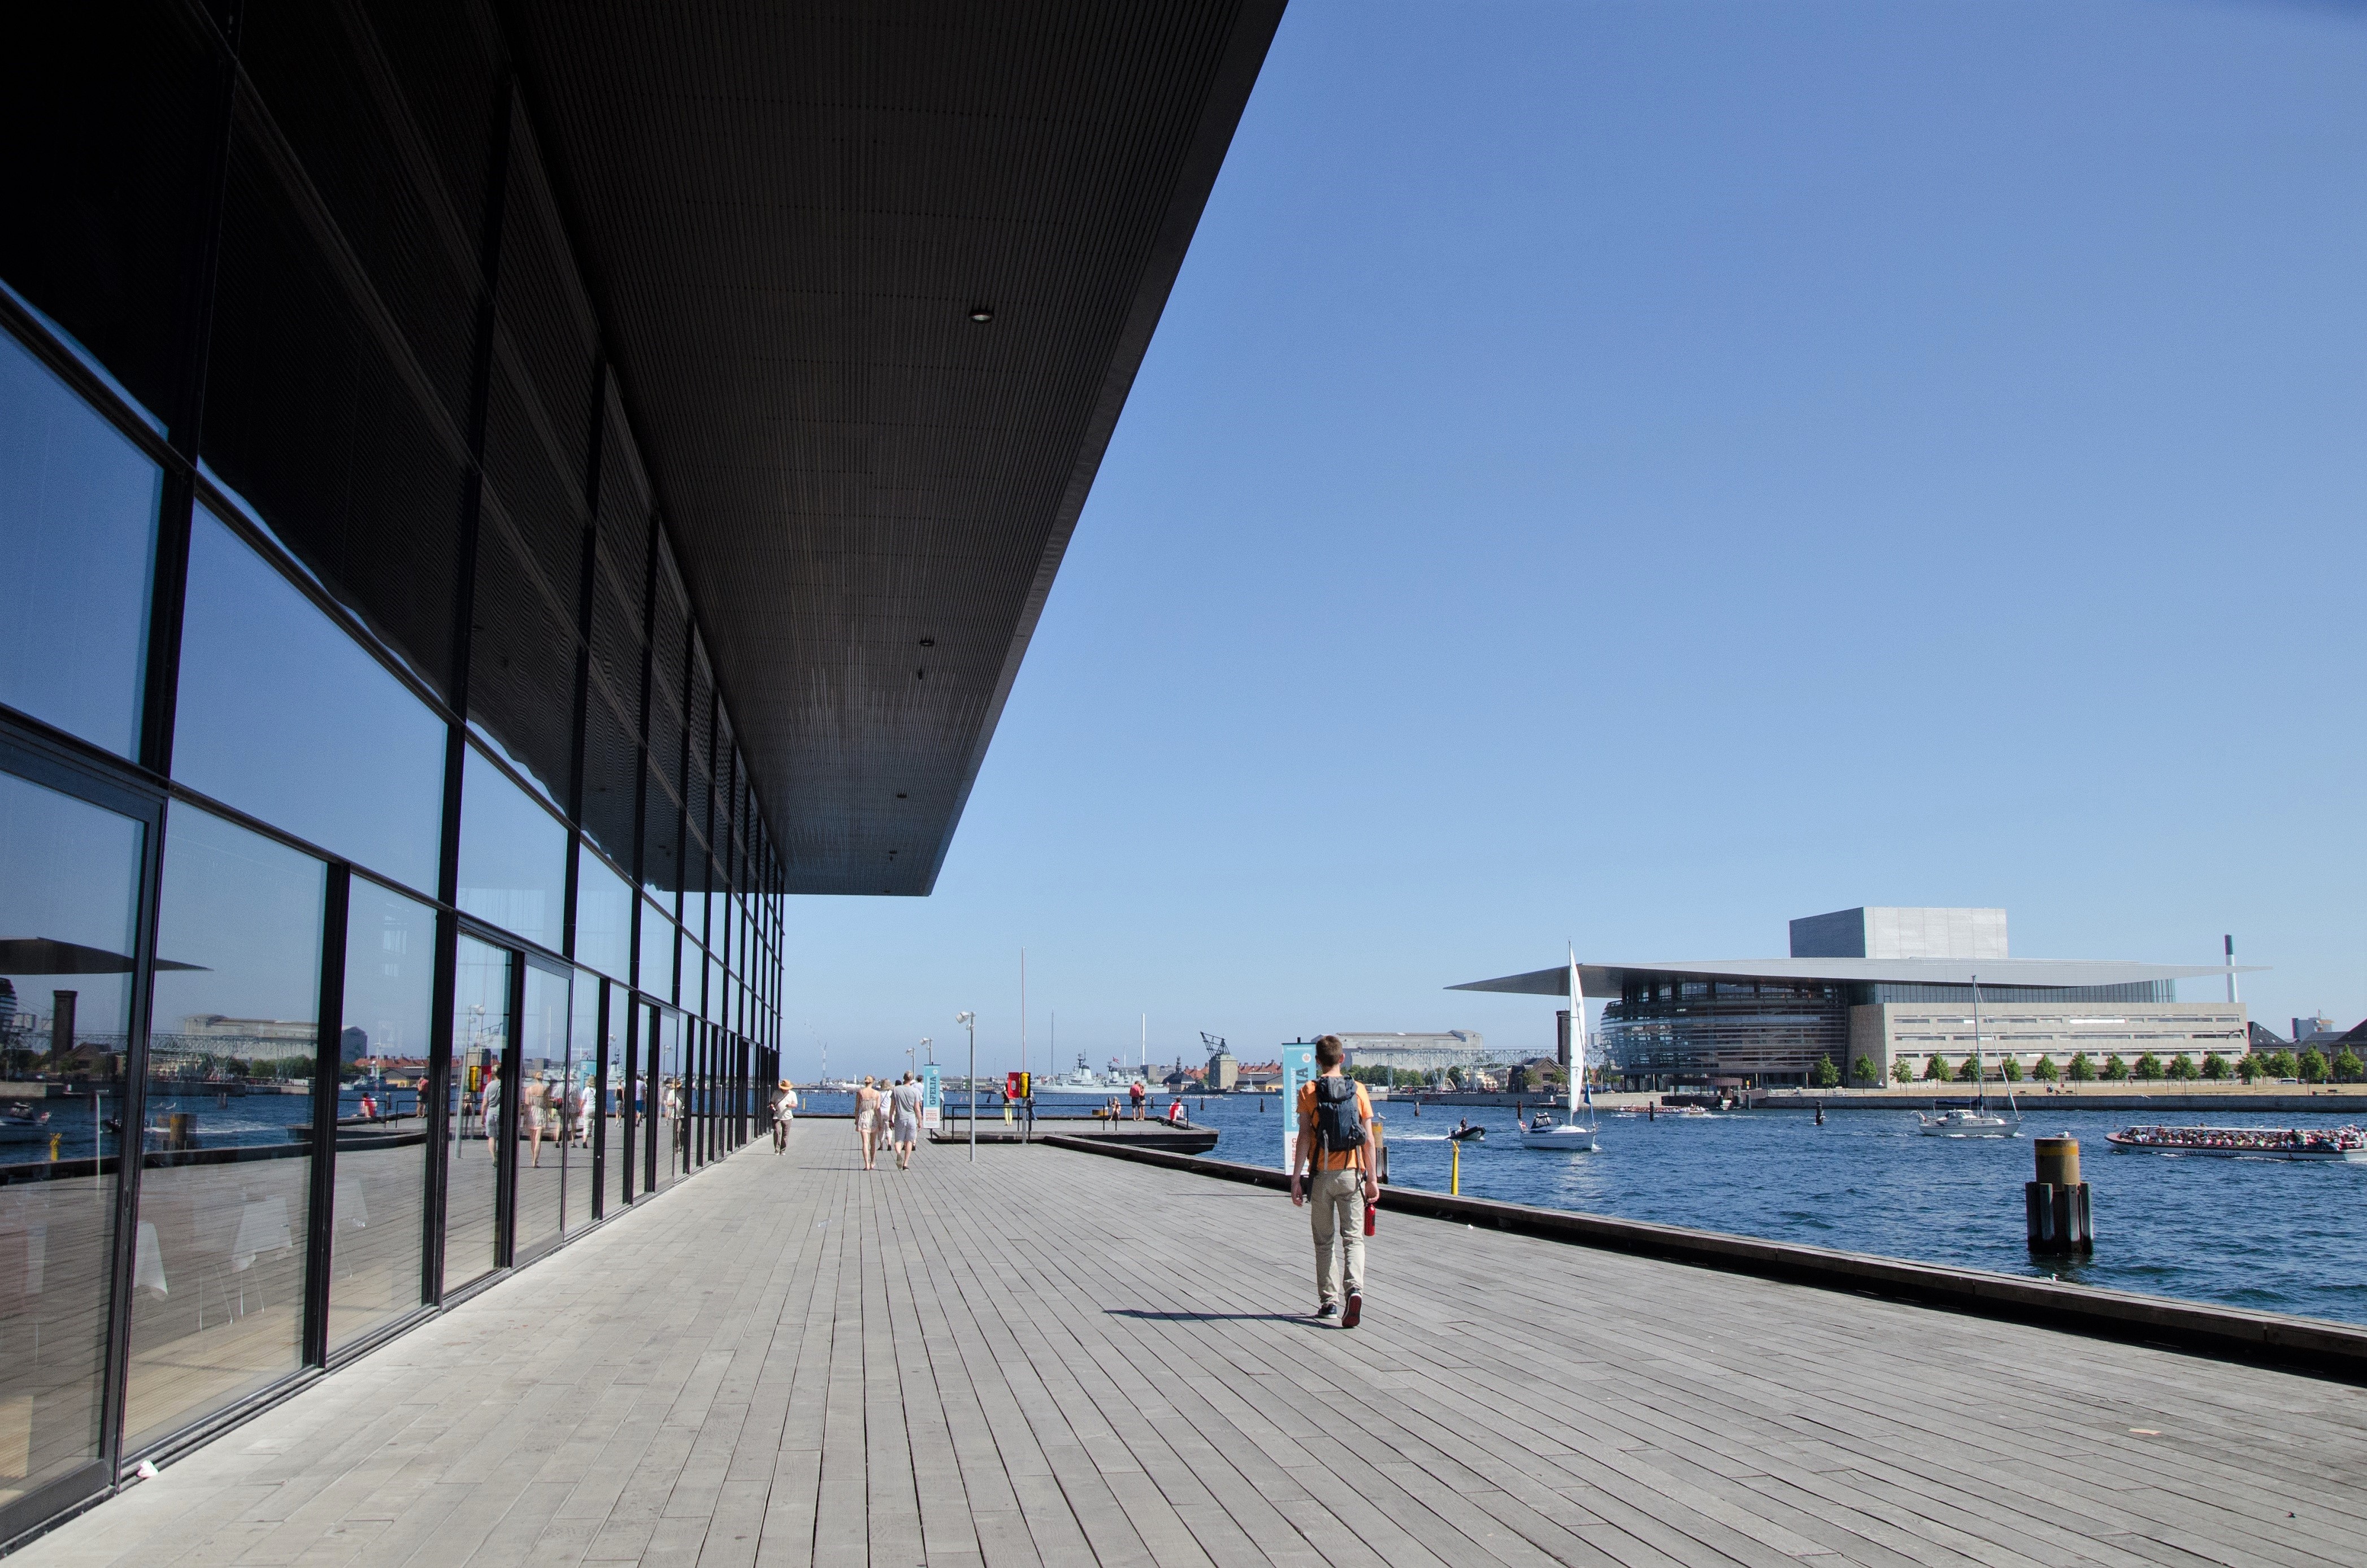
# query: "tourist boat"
(2344, 1144)
(1570, 1136)
(1977, 1120)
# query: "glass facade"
(384, 900)
(1677, 1029)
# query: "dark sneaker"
(1356, 1311)
(1328, 1310)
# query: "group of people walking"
(891, 1111)
(1333, 1173)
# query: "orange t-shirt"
(1332, 1159)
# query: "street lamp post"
(969, 1021)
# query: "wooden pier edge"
(2316, 1347)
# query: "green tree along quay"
(2279, 1064)
(2148, 1067)
(1900, 1073)
(1828, 1076)
(2082, 1069)
(2046, 1072)
(2313, 1066)
(1969, 1071)
(2248, 1067)
(2346, 1064)
(2182, 1068)
(2115, 1069)
(2213, 1066)
(2014, 1069)
(1936, 1071)
(1861, 1071)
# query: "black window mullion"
(328, 1059)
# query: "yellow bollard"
(1455, 1170)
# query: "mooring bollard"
(2056, 1203)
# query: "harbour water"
(2267, 1235)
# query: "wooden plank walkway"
(787, 1361)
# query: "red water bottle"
(1371, 1212)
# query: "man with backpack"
(1335, 1151)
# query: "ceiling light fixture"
(981, 313)
(928, 642)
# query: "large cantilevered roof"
(789, 215)
(1609, 980)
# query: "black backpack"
(1338, 1123)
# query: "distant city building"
(1891, 988)
(1417, 1052)
(1260, 1075)
(2303, 1028)
(1224, 1072)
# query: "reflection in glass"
(540, 1155)
(480, 1029)
(713, 1003)
(620, 1177)
(657, 953)
(233, 1050)
(283, 715)
(78, 530)
(604, 916)
(672, 1150)
(513, 855)
(69, 891)
(382, 1122)
(581, 1113)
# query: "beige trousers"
(1336, 1207)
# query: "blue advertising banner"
(932, 1098)
(1297, 1067)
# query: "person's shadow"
(1149, 1316)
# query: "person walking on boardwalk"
(1335, 1149)
(904, 1103)
(867, 1120)
(784, 1111)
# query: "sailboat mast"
(1980, 1057)
(1577, 1035)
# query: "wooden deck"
(1056, 1357)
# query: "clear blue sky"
(1632, 473)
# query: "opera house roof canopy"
(1609, 980)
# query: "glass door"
(579, 1112)
(539, 1156)
(473, 1095)
(70, 875)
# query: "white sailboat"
(1570, 1137)
(1978, 1121)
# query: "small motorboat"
(1468, 1132)
(20, 1123)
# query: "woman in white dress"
(867, 1120)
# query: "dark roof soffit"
(786, 216)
